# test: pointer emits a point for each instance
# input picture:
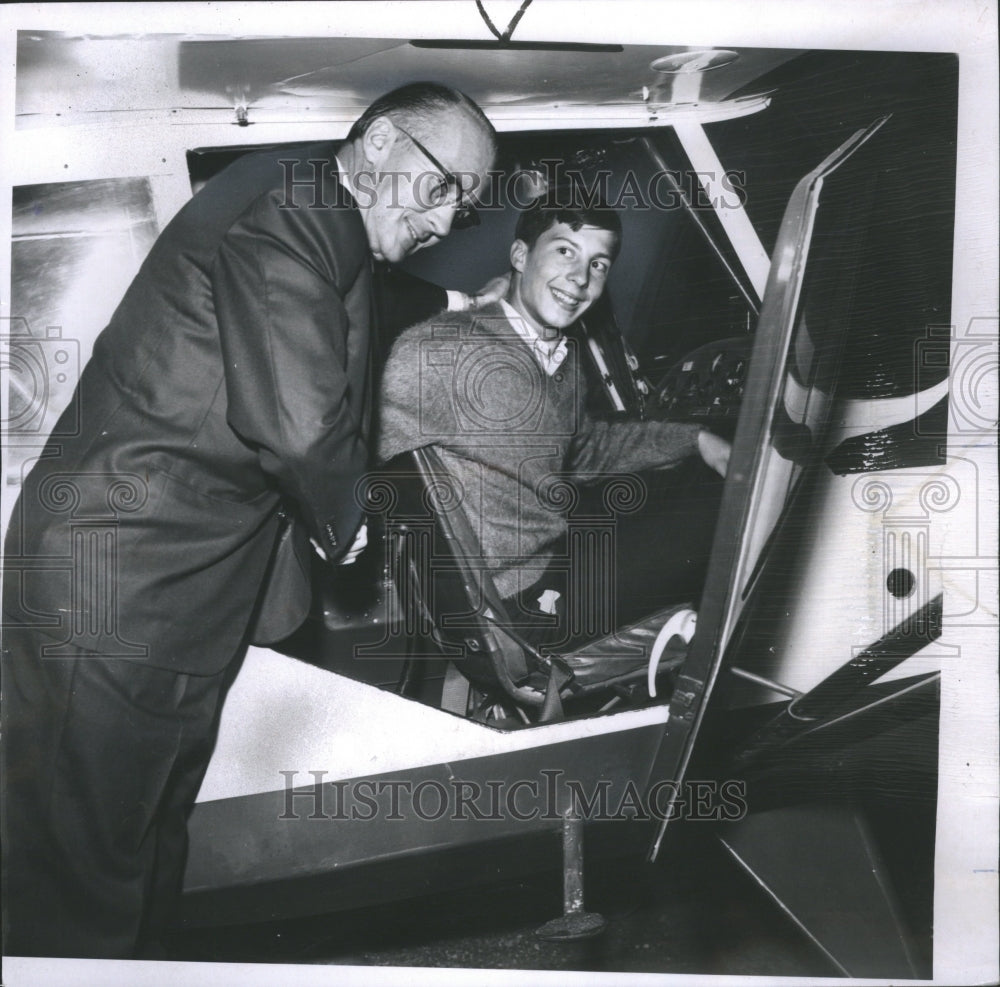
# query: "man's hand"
(714, 451)
(492, 291)
(357, 546)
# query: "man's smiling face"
(404, 211)
(561, 275)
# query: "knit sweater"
(510, 436)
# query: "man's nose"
(439, 220)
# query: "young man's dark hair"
(544, 213)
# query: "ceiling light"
(699, 60)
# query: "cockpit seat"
(447, 595)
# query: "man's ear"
(518, 255)
(378, 140)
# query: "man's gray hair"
(422, 101)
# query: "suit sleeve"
(293, 316)
(404, 300)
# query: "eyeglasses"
(465, 213)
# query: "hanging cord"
(505, 37)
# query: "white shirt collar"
(549, 353)
(345, 178)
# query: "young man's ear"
(518, 255)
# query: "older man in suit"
(230, 392)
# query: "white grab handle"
(683, 622)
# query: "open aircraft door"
(816, 860)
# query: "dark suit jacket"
(232, 379)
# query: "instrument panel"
(708, 383)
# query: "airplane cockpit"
(675, 338)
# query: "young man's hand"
(714, 451)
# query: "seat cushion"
(626, 652)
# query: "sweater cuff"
(695, 431)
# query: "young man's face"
(561, 276)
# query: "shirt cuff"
(458, 301)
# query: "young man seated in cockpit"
(499, 394)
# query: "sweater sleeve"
(630, 446)
(625, 445)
